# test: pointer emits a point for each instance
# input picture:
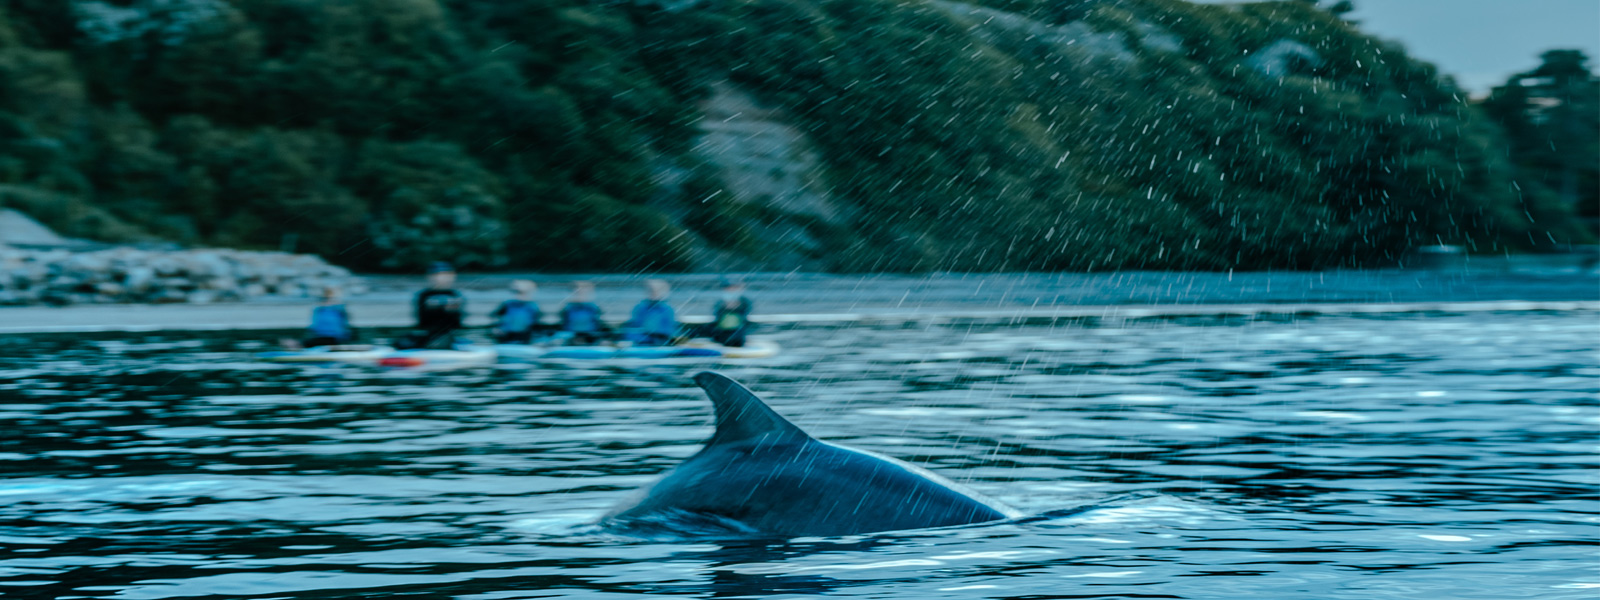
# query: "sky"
(1481, 42)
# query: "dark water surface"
(1402, 456)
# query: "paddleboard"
(462, 356)
(694, 349)
(520, 352)
(348, 353)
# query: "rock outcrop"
(133, 275)
(20, 230)
(1283, 57)
(764, 160)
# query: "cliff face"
(766, 164)
(777, 134)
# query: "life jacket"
(655, 317)
(329, 321)
(729, 318)
(581, 317)
(518, 316)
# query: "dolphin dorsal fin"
(741, 415)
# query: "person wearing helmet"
(439, 310)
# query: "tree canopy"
(562, 134)
(1551, 117)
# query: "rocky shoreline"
(131, 275)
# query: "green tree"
(430, 201)
(1551, 115)
(1342, 8)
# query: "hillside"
(850, 135)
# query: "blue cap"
(440, 267)
(730, 282)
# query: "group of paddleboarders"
(440, 310)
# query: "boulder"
(139, 278)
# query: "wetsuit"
(582, 320)
(438, 317)
(330, 326)
(516, 319)
(653, 323)
(730, 323)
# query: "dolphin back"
(764, 474)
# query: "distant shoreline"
(786, 298)
(248, 317)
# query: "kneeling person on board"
(438, 309)
(330, 323)
(516, 319)
(730, 317)
(653, 322)
(580, 318)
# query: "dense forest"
(566, 134)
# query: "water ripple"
(1382, 456)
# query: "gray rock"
(1156, 37)
(202, 264)
(174, 283)
(219, 283)
(166, 266)
(86, 267)
(63, 282)
(1283, 57)
(139, 279)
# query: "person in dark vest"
(330, 324)
(439, 310)
(580, 318)
(730, 317)
(653, 322)
(516, 320)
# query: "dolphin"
(760, 475)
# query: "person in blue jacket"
(580, 318)
(516, 320)
(653, 322)
(330, 322)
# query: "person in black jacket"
(439, 311)
(730, 317)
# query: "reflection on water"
(1329, 457)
